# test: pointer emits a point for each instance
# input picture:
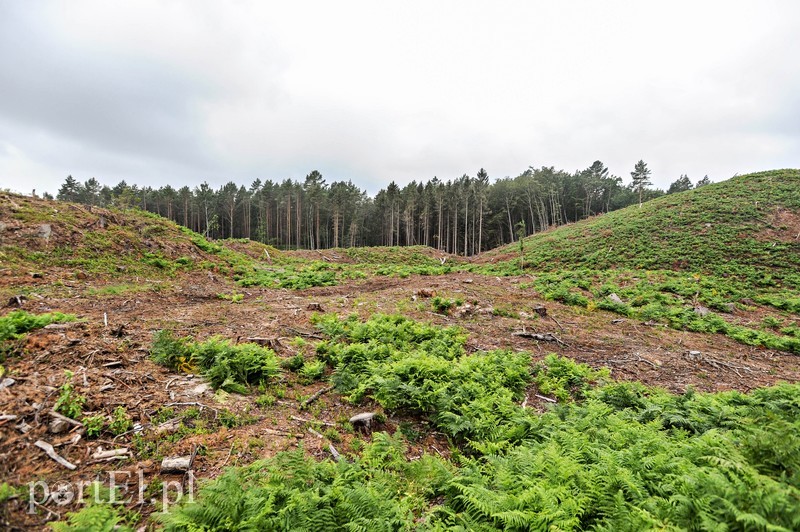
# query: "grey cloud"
(115, 104)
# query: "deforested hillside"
(70, 240)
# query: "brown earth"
(112, 366)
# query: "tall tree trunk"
(298, 220)
(316, 224)
(454, 251)
(466, 223)
(287, 237)
(336, 227)
(510, 222)
(480, 228)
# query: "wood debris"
(111, 454)
(51, 452)
(176, 464)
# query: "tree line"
(463, 216)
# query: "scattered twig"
(195, 448)
(316, 396)
(41, 406)
(99, 454)
(542, 337)
(315, 433)
(335, 453)
(201, 405)
(274, 432)
(303, 420)
(49, 451)
(306, 334)
(229, 455)
(549, 400)
(45, 508)
(69, 420)
(557, 323)
(638, 358)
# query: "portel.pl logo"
(124, 487)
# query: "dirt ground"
(108, 353)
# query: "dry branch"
(316, 396)
(542, 337)
(48, 449)
(176, 464)
(66, 419)
(100, 454)
(303, 420)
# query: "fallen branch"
(303, 420)
(316, 396)
(195, 448)
(176, 464)
(638, 358)
(100, 454)
(48, 449)
(46, 509)
(229, 455)
(722, 364)
(69, 420)
(334, 453)
(557, 323)
(545, 398)
(542, 337)
(274, 432)
(306, 334)
(201, 405)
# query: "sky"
(181, 92)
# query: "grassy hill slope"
(67, 240)
(746, 226)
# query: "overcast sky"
(179, 92)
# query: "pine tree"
(640, 179)
(679, 185)
(703, 182)
(71, 190)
